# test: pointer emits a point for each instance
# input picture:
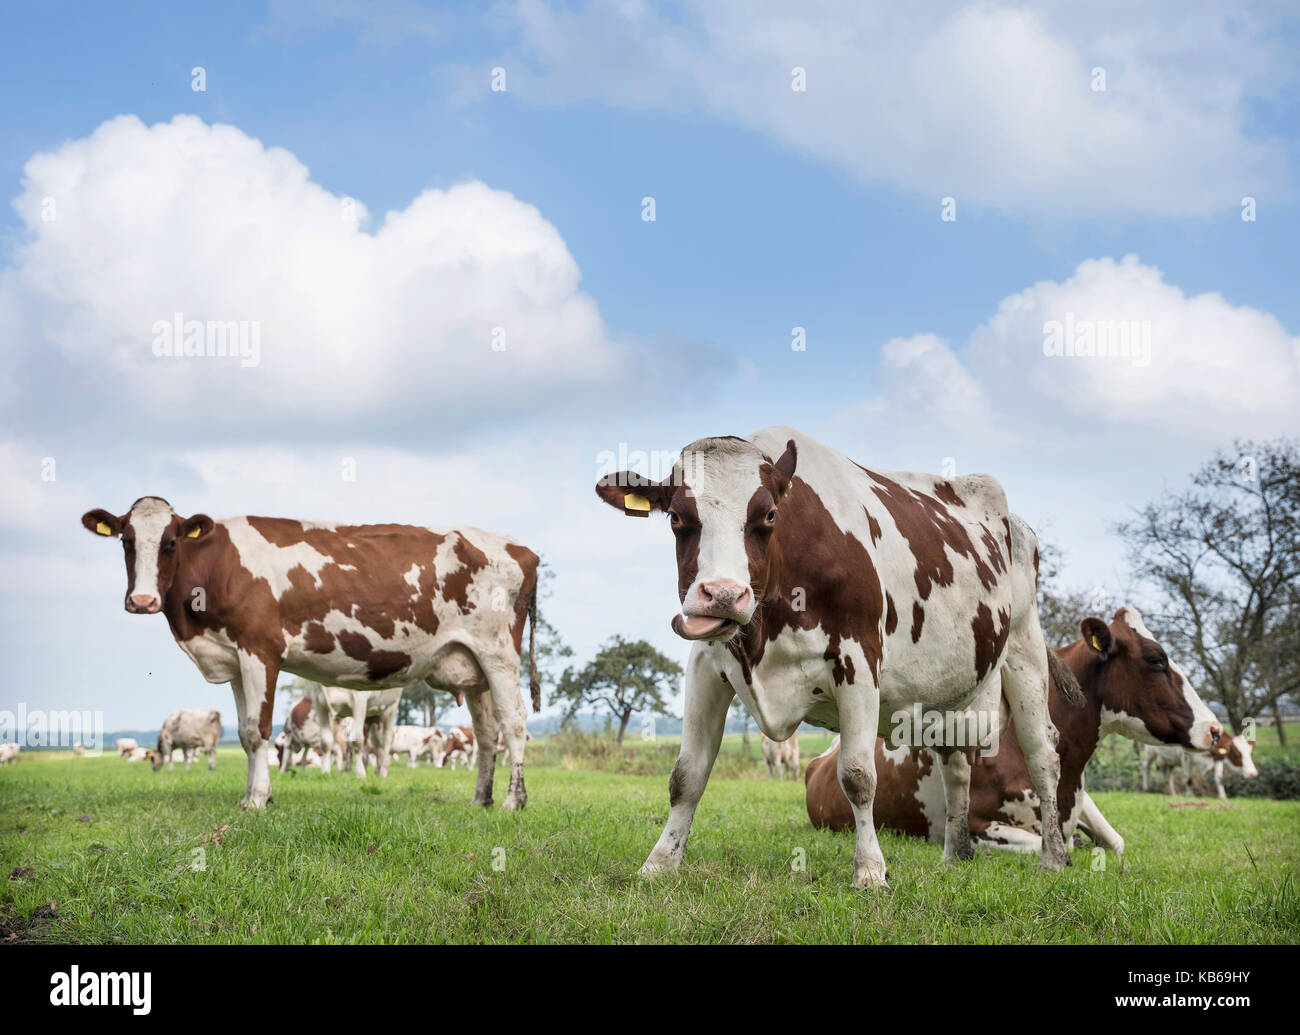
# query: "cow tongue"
(697, 627)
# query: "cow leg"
(1094, 824)
(1218, 781)
(481, 713)
(1025, 684)
(955, 767)
(251, 707)
(859, 721)
(508, 710)
(386, 729)
(707, 700)
(358, 742)
(212, 757)
(1147, 759)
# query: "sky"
(434, 223)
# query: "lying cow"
(823, 591)
(781, 755)
(189, 730)
(140, 755)
(1236, 752)
(9, 753)
(366, 607)
(308, 725)
(125, 745)
(1130, 687)
(460, 747)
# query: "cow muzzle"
(142, 605)
(719, 608)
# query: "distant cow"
(461, 747)
(781, 755)
(9, 753)
(823, 591)
(191, 730)
(1130, 687)
(78, 749)
(376, 709)
(1236, 752)
(500, 742)
(417, 742)
(125, 745)
(308, 725)
(140, 755)
(365, 607)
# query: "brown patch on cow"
(990, 641)
(380, 664)
(891, 616)
(298, 715)
(873, 526)
(318, 639)
(918, 620)
(945, 493)
(455, 587)
(931, 530)
(895, 793)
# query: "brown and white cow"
(1130, 687)
(461, 747)
(367, 607)
(418, 742)
(308, 725)
(822, 591)
(125, 745)
(190, 731)
(781, 755)
(1234, 751)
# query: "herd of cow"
(813, 588)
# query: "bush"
(1277, 779)
(1114, 766)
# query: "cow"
(416, 742)
(188, 730)
(1130, 686)
(308, 725)
(140, 754)
(1236, 751)
(366, 607)
(781, 755)
(78, 749)
(460, 747)
(125, 745)
(374, 717)
(827, 592)
(9, 753)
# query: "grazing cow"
(1233, 750)
(822, 591)
(461, 747)
(373, 715)
(189, 730)
(1130, 687)
(125, 745)
(140, 755)
(366, 607)
(9, 753)
(308, 725)
(781, 755)
(417, 742)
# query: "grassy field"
(99, 850)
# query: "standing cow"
(188, 731)
(367, 607)
(840, 595)
(1130, 686)
(308, 725)
(1234, 751)
(780, 756)
(125, 745)
(374, 718)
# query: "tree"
(1059, 609)
(625, 677)
(1224, 560)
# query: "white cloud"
(991, 104)
(378, 328)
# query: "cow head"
(722, 501)
(1238, 752)
(153, 536)
(158, 756)
(1144, 695)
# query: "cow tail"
(534, 683)
(1061, 674)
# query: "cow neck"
(1079, 726)
(192, 572)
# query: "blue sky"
(774, 209)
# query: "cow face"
(1238, 752)
(1144, 694)
(152, 538)
(722, 501)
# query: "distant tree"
(625, 677)
(1060, 609)
(1223, 558)
(742, 713)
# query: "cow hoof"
(512, 804)
(253, 802)
(485, 802)
(868, 883)
(1049, 865)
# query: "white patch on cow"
(265, 560)
(1247, 767)
(149, 519)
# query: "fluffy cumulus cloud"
(464, 304)
(991, 104)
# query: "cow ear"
(196, 527)
(1096, 634)
(785, 468)
(101, 522)
(633, 494)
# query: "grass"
(113, 847)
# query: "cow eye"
(1157, 661)
(771, 516)
(674, 519)
(169, 546)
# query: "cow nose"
(724, 595)
(144, 604)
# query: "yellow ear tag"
(631, 501)
(193, 533)
(1096, 643)
(103, 529)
